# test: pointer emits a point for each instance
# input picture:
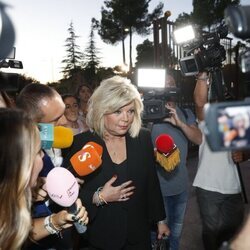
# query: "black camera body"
(152, 84)
(154, 103)
(238, 20)
(211, 53)
(8, 81)
(228, 123)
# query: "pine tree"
(111, 31)
(74, 57)
(210, 12)
(130, 14)
(92, 60)
(145, 54)
(206, 13)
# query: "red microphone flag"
(167, 154)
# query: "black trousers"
(222, 216)
(128, 246)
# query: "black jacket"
(113, 224)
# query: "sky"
(41, 31)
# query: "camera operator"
(217, 182)
(181, 126)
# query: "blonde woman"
(20, 148)
(20, 163)
(123, 196)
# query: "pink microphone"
(63, 189)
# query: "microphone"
(88, 159)
(96, 146)
(167, 153)
(63, 189)
(63, 137)
(55, 137)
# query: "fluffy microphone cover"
(167, 154)
(63, 137)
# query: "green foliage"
(92, 61)
(74, 57)
(210, 12)
(130, 14)
(183, 19)
(76, 71)
(109, 29)
(206, 13)
(145, 54)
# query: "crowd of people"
(130, 201)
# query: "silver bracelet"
(161, 222)
(99, 201)
(48, 226)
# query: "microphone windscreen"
(62, 186)
(96, 146)
(164, 143)
(63, 137)
(86, 161)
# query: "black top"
(121, 172)
(113, 224)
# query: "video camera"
(8, 81)
(210, 53)
(238, 21)
(151, 83)
(228, 123)
(205, 53)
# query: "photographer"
(181, 126)
(217, 182)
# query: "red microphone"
(88, 159)
(167, 153)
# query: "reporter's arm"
(39, 231)
(201, 94)
(53, 224)
(192, 132)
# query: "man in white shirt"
(217, 183)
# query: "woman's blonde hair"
(112, 94)
(19, 138)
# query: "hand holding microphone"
(62, 188)
(65, 219)
(167, 153)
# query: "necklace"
(117, 150)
